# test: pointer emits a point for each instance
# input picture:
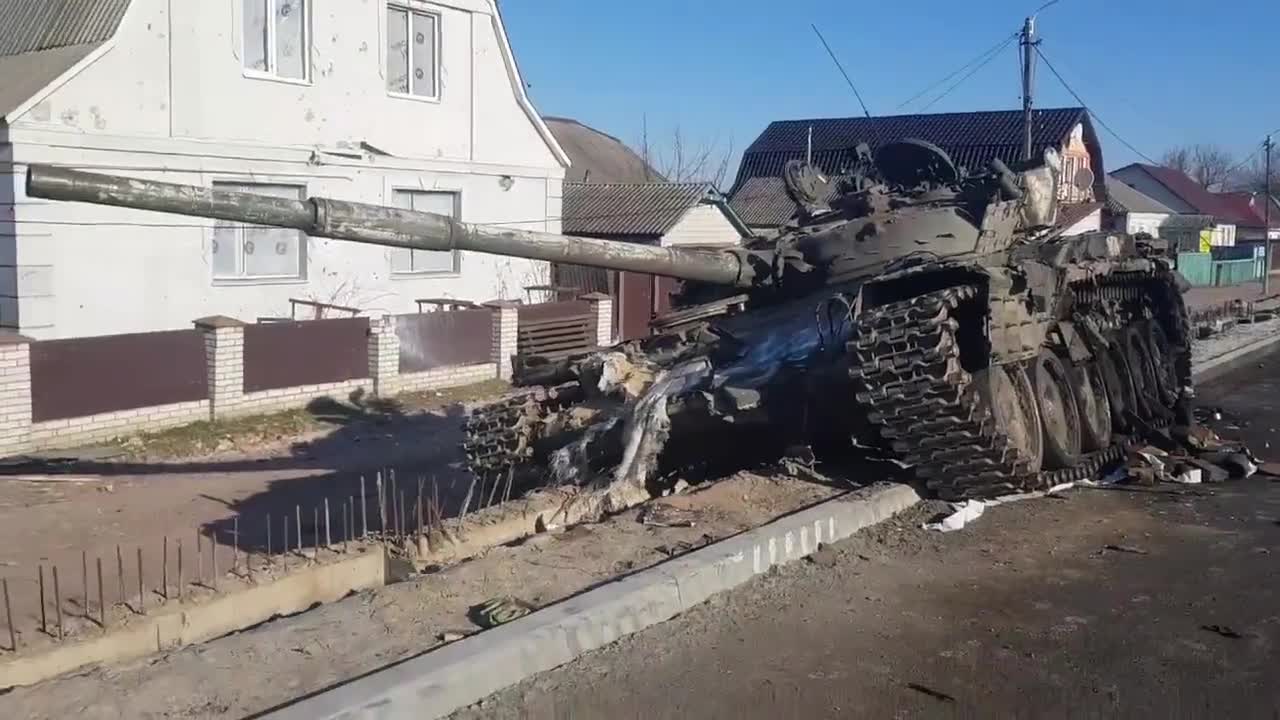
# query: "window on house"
(405, 261)
(252, 252)
(412, 51)
(275, 38)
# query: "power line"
(985, 54)
(1007, 42)
(1087, 109)
(836, 60)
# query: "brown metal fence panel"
(439, 339)
(556, 329)
(312, 352)
(76, 377)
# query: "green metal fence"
(1201, 270)
(1197, 268)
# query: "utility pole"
(1266, 218)
(1028, 44)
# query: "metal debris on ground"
(1125, 549)
(664, 515)
(499, 610)
(1223, 630)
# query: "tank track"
(906, 358)
(499, 436)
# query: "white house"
(1184, 197)
(405, 103)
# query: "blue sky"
(1160, 72)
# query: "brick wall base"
(106, 426)
(448, 377)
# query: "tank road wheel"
(1162, 360)
(1119, 381)
(1093, 404)
(1143, 372)
(1059, 416)
(1008, 396)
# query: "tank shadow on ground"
(361, 437)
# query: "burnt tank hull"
(945, 368)
(988, 359)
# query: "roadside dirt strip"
(408, 645)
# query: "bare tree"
(1208, 165)
(681, 159)
(1253, 177)
(1178, 158)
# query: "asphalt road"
(1135, 602)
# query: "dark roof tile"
(631, 209)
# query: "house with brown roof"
(1184, 196)
(1130, 211)
(972, 139)
(598, 157)
(1251, 211)
(687, 215)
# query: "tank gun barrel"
(380, 225)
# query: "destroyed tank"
(910, 312)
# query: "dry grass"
(212, 436)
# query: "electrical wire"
(1008, 41)
(1087, 109)
(836, 60)
(989, 51)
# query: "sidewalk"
(1199, 298)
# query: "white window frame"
(412, 8)
(270, 72)
(299, 278)
(457, 254)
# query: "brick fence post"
(602, 308)
(224, 359)
(15, 393)
(384, 356)
(506, 334)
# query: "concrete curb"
(1216, 367)
(438, 682)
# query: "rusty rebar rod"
(8, 615)
(44, 619)
(181, 576)
(213, 557)
(57, 604)
(164, 570)
(84, 581)
(120, 576)
(102, 604)
(142, 599)
(328, 537)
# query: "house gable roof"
(1249, 205)
(972, 139)
(634, 209)
(595, 156)
(1192, 193)
(41, 40)
(1121, 198)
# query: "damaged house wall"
(176, 95)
